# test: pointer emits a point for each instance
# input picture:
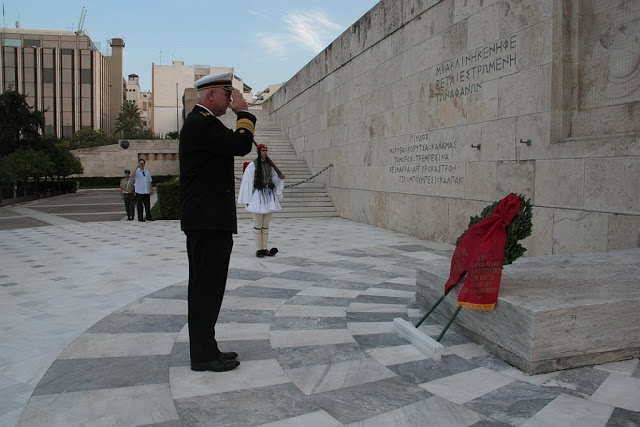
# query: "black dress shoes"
(228, 355)
(218, 365)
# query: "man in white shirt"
(144, 190)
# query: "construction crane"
(83, 15)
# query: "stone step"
(304, 200)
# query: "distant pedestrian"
(144, 190)
(127, 193)
(261, 191)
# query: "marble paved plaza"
(93, 332)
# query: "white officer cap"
(222, 80)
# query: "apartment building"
(65, 75)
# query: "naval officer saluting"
(208, 209)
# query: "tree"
(24, 164)
(85, 138)
(173, 135)
(129, 120)
(20, 127)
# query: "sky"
(266, 41)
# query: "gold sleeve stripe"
(246, 124)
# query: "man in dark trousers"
(208, 209)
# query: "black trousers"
(209, 252)
(143, 199)
(129, 203)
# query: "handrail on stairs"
(300, 182)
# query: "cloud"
(312, 30)
(274, 44)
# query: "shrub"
(169, 199)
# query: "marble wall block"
(480, 181)
(612, 184)
(541, 241)
(484, 26)
(624, 231)
(515, 15)
(515, 177)
(498, 140)
(535, 45)
(577, 231)
(483, 105)
(560, 183)
(518, 93)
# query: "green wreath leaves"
(518, 229)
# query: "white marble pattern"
(242, 331)
(466, 386)
(432, 412)
(321, 378)
(570, 411)
(156, 306)
(318, 291)
(360, 307)
(466, 351)
(531, 379)
(279, 283)
(313, 419)
(310, 337)
(624, 367)
(293, 310)
(231, 302)
(619, 390)
(397, 354)
(120, 345)
(137, 405)
(382, 292)
(250, 374)
(366, 328)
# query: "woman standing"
(261, 191)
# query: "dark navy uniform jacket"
(207, 184)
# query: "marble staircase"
(307, 200)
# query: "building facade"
(171, 102)
(63, 74)
(134, 94)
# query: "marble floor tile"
(322, 378)
(319, 291)
(288, 310)
(142, 323)
(156, 306)
(466, 351)
(291, 323)
(261, 291)
(357, 403)
(310, 337)
(395, 355)
(241, 331)
(376, 308)
(432, 412)
(128, 406)
(570, 411)
(383, 292)
(379, 340)
(363, 328)
(295, 357)
(250, 374)
(624, 367)
(271, 282)
(67, 375)
(249, 407)
(120, 345)
(231, 302)
(466, 386)
(619, 390)
(319, 419)
(514, 403)
(426, 369)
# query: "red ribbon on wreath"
(480, 253)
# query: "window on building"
(13, 42)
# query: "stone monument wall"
(161, 156)
(430, 110)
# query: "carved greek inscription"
(465, 74)
(423, 161)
